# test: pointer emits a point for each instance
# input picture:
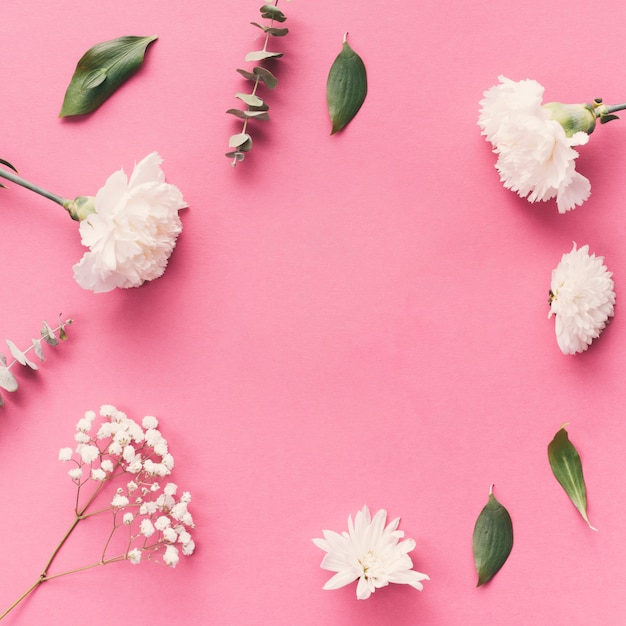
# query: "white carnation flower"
(369, 552)
(535, 153)
(581, 298)
(133, 230)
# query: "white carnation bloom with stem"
(369, 552)
(535, 142)
(130, 226)
(582, 299)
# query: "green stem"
(18, 180)
(615, 107)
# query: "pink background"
(346, 320)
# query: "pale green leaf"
(346, 87)
(7, 380)
(38, 349)
(241, 141)
(250, 99)
(568, 470)
(101, 70)
(47, 334)
(492, 540)
(271, 30)
(261, 55)
(272, 12)
(19, 356)
(244, 115)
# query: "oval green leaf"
(101, 70)
(272, 12)
(492, 540)
(346, 87)
(568, 470)
(261, 55)
(7, 380)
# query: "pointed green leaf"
(250, 99)
(7, 380)
(492, 540)
(261, 55)
(346, 87)
(568, 470)
(272, 12)
(101, 70)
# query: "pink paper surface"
(346, 320)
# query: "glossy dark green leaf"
(492, 540)
(346, 87)
(101, 70)
(568, 470)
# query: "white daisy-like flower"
(370, 552)
(582, 298)
(535, 143)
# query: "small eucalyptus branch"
(8, 382)
(256, 108)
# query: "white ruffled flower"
(582, 299)
(535, 142)
(133, 230)
(369, 552)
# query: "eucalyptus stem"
(18, 180)
(615, 107)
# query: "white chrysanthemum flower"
(133, 230)
(582, 299)
(369, 552)
(535, 154)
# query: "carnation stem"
(615, 107)
(18, 180)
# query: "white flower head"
(370, 552)
(170, 556)
(65, 454)
(535, 153)
(582, 299)
(134, 556)
(133, 230)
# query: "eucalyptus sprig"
(8, 382)
(256, 108)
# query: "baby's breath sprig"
(256, 108)
(8, 382)
(121, 464)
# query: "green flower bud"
(573, 117)
(80, 207)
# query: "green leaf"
(271, 12)
(270, 30)
(7, 380)
(47, 334)
(19, 356)
(244, 115)
(492, 540)
(261, 55)
(101, 70)
(346, 87)
(241, 141)
(568, 470)
(250, 99)
(263, 75)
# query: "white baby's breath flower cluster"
(133, 459)
(582, 299)
(535, 141)
(370, 552)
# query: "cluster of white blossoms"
(130, 227)
(134, 457)
(370, 552)
(582, 298)
(535, 143)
